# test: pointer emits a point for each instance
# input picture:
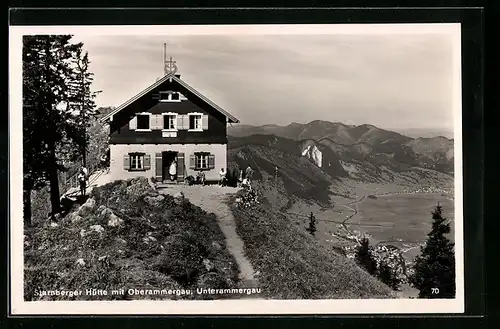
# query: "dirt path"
(213, 199)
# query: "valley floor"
(389, 214)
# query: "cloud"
(386, 80)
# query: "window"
(201, 160)
(136, 161)
(169, 96)
(164, 95)
(170, 121)
(143, 121)
(195, 122)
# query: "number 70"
(434, 291)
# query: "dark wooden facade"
(217, 122)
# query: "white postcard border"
(341, 306)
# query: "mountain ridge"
(246, 129)
(360, 141)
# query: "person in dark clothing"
(201, 177)
(82, 180)
(104, 162)
(223, 177)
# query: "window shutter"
(126, 162)
(180, 122)
(132, 124)
(159, 166)
(153, 122)
(147, 162)
(211, 161)
(204, 122)
(192, 162)
(161, 118)
(181, 167)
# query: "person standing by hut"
(240, 178)
(173, 170)
(222, 179)
(82, 180)
(201, 177)
(104, 160)
(248, 176)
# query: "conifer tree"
(312, 224)
(81, 103)
(434, 269)
(48, 119)
(364, 257)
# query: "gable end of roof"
(170, 76)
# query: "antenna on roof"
(165, 58)
(168, 66)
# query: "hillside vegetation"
(125, 236)
(299, 175)
(307, 169)
(290, 263)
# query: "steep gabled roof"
(172, 76)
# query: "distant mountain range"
(298, 131)
(309, 156)
(425, 132)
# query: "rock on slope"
(126, 235)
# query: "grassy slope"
(293, 265)
(184, 239)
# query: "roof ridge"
(171, 75)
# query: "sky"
(393, 81)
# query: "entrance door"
(168, 158)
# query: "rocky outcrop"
(313, 153)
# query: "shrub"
(182, 258)
(387, 275)
(40, 205)
(248, 199)
(391, 265)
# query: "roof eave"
(172, 76)
(133, 99)
(208, 101)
